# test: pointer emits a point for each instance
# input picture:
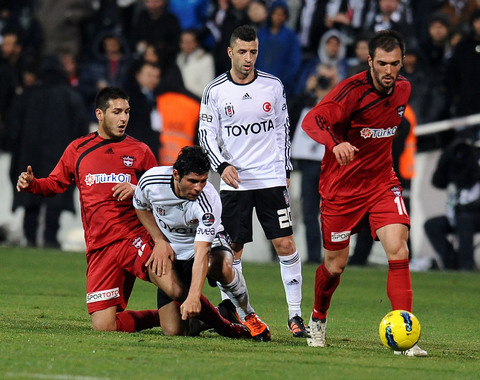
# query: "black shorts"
(184, 268)
(272, 206)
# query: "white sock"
(237, 264)
(238, 293)
(291, 272)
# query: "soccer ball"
(399, 330)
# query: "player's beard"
(378, 80)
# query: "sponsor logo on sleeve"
(103, 295)
(208, 219)
(337, 237)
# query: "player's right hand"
(25, 179)
(230, 176)
(344, 152)
(161, 259)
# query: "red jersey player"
(356, 122)
(106, 165)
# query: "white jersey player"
(244, 128)
(179, 207)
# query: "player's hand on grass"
(161, 259)
(344, 153)
(190, 308)
(25, 179)
(123, 190)
(230, 176)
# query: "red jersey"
(97, 165)
(356, 112)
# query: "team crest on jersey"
(396, 191)
(229, 110)
(161, 211)
(208, 219)
(267, 107)
(287, 197)
(401, 110)
(137, 242)
(128, 161)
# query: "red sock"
(399, 285)
(132, 321)
(325, 285)
(210, 315)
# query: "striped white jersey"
(182, 221)
(247, 126)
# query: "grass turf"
(45, 330)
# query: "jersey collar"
(242, 84)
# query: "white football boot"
(318, 332)
(414, 351)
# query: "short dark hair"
(387, 40)
(109, 93)
(192, 159)
(244, 33)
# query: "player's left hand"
(123, 191)
(344, 152)
(190, 308)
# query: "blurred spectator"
(463, 76)
(257, 12)
(459, 11)
(157, 26)
(145, 123)
(227, 15)
(70, 64)
(458, 172)
(192, 14)
(435, 50)
(62, 24)
(360, 61)
(280, 52)
(10, 77)
(196, 65)
(179, 113)
(40, 124)
(308, 156)
(413, 69)
(114, 16)
(110, 66)
(391, 14)
(311, 26)
(332, 50)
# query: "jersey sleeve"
(140, 197)
(59, 179)
(208, 130)
(208, 213)
(326, 122)
(282, 126)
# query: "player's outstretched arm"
(25, 179)
(191, 307)
(161, 259)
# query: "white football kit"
(248, 127)
(181, 221)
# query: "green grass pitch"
(45, 330)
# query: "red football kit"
(117, 243)
(356, 112)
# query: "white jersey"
(182, 221)
(247, 126)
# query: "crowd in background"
(164, 52)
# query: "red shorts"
(342, 217)
(111, 271)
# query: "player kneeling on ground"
(182, 212)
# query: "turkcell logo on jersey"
(337, 237)
(377, 133)
(103, 295)
(91, 179)
(249, 129)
